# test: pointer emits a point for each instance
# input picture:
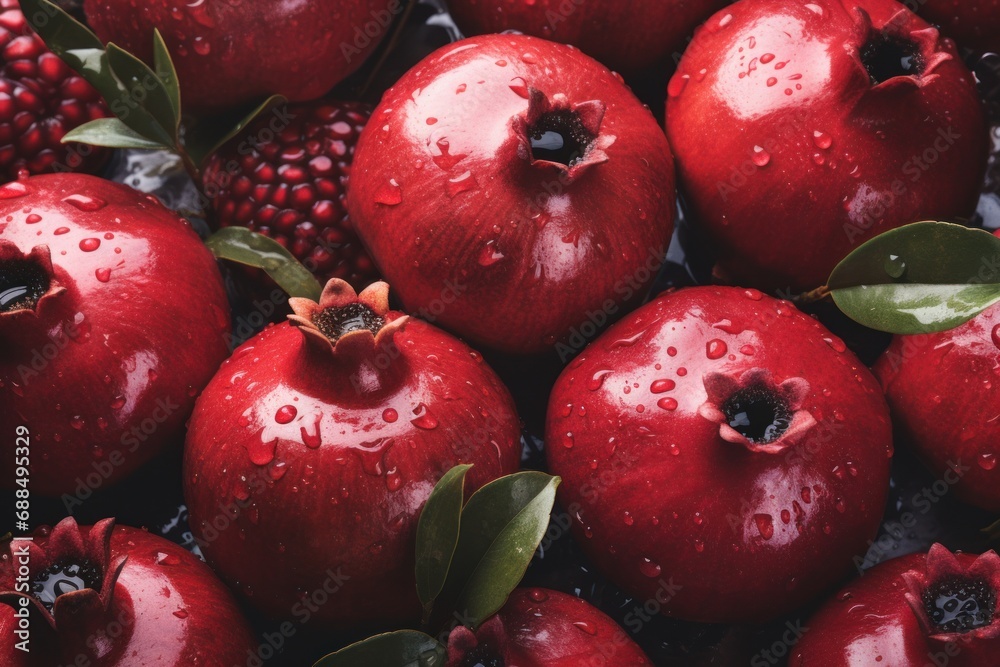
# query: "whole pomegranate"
(513, 189)
(542, 628)
(943, 391)
(722, 453)
(624, 36)
(113, 317)
(316, 445)
(974, 24)
(230, 53)
(803, 129)
(109, 596)
(938, 609)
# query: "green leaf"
(209, 134)
(164, 68)
(502, 526)
(437, 534)
(239, 244)
(110, 132)
(145, 90)
(404, 648)
(921, 278)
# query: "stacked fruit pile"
(730, 262)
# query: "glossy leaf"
(437, 533)
(405, 648)
(110, 132)
(163, 66)
(146, 92)
(209, 134)
(921, 278)
(239, 244)
(502, 526)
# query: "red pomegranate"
(803, 129)
(316, 445)
(109, 596)
(542, 628)
(228, 53)
(943, 391)
(513, 189)
(723, 443)
(113, 317)
(938, 609)
(624, 36)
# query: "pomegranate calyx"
(755, 411)
(26, 280)
(555, 134)
(345, 320)
(953, 602)
(487, 645)
(71, 578)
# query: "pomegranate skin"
(674, 504)
(228, 54)
(103, 371)
(168, 610)
(306, 470)
(791, 157)
(943, 391)
(538, 627)
(869, 622)
(479, 231)
(974, 24)
(623, 36)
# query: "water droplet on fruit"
(285, 414)
(597, 381)
(987, 461)
(77, 422)
(90, 244)
(586, 627)
(61, 230)
(462, 183)
(103, 275)
(167, 559)
(678, 82)
(567, 441)
(662, 386)
(667, 403)
(13, 190)
(32, 219)
(765, 525)
(835, 343)
(716, 349)
(390, 415)
(538, 595)
(699, 546)
(390, 194)
(894, 266)
(490, 254)
(520, 87)
(424, 419)
(627, 518)
(839, 504)
(786, 516)
(85, 203)
(649, 568)
(822, 140)
(760, 157)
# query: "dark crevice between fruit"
(65, 577)
(482, 656)
(960, 605)
(559, 136)
(886, 56)
(22, 284)
(758, 414)
(336, 322)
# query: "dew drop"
(285, 414)
(894, 266)
(987, 461)
(586, 627)
(390, 194)
(90, 244)
(424, 419)
(597, 381)
(716, 349)
(490, 254)
(103, 275)
(390, 415)
(649, 568)
(765, 525)
(462, 183)
(85, 203)
(662, 386)
(667, 403)
(760, 157)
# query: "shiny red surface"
(870, 623)
(169, 610)
(668, 509)
(791, 157)
(231, 52)
(500, 249)
(303, 473)
(944, 393)
(104, 374)
(624, 36)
